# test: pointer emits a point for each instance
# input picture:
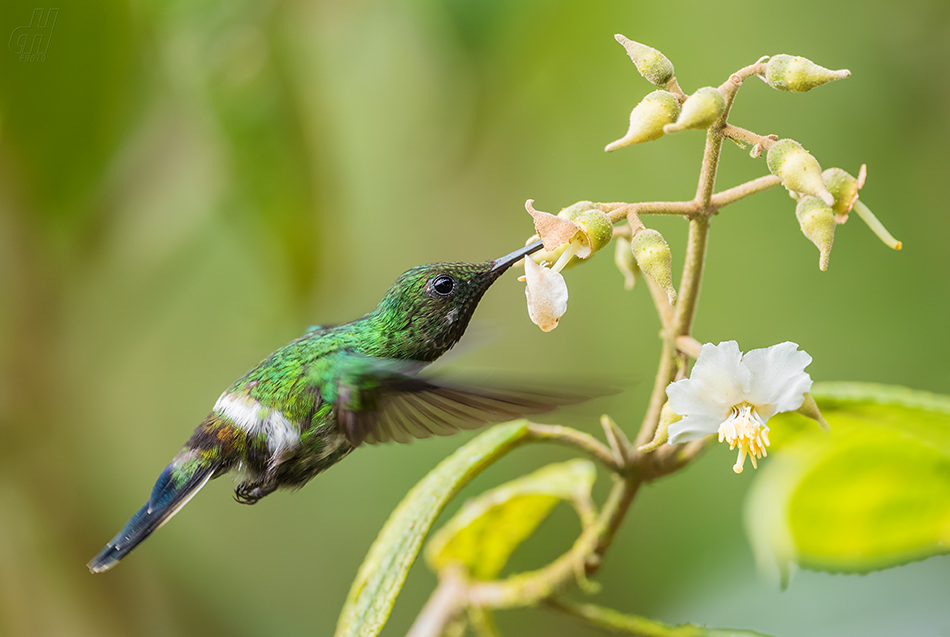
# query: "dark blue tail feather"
(166, 500)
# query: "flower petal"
(547, 295)
(779, 381)
(554, 231)
(688, 398)
(719, 374)
(693, 427)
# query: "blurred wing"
(393, 406)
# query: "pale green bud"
(798, 170)
(648, 118)
(844, 188)
(654, 258)
(581, 225)
(701, 110)
(595, 226)
(625, 262)
(662, 433)
(817, 221)
(798, 74)
(652, 64)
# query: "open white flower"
(547, 294)
(736, 394)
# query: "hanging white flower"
(547, 295)
(735, 395)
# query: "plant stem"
(617, 211)
(689, 286)
(445, 603)
(584, 558)
(747, 136)
(688, 345)
(662, 302)
(579, 440)
(747, 189)
(692, 276)
(707, 175)
(664, 374)
(632, 468)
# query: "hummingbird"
(312, 402)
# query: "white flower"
(547, 294)
(736, 394)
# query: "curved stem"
(527, 589)
(446, 602)
(579, 440)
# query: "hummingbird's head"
(428, 308)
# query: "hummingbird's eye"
(442, 285)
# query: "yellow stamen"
(745, 430)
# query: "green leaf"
(617, 622)
(872, 494)
(384, 570)
(484, 533)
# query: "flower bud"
(700, 110)
(648, 118)
(798, 74)
(662, 433)
(817, 221)
(654, 258)
(652, 64)
(623, 259)
(844, 188)
(554, 230)
(798, 170)
(596, 228)
(582, 225)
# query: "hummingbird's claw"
(251, 492)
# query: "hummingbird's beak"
(503, 263)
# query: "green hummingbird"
(312, 402)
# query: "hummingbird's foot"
(251, 492)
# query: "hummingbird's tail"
(177, 484)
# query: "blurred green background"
(185, 186)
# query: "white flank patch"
(254, 418)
